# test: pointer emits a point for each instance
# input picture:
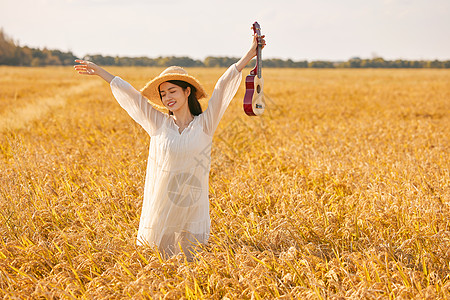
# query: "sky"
(294, 29)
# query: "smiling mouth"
(171, 103)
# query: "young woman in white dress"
(175, 210)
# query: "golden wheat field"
(341, 190)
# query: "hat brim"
(151, 90)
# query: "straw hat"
(151, 91)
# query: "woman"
(175, 210)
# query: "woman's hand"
(86, 67)
(254, 46)
(89, 68)
(240, 65)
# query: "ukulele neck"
(257, 70)
(258, 59)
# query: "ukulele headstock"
(257, 31)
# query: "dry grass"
(340, 190)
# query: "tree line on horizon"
(14, 55)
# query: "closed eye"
(171, 90)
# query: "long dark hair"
(194, 105)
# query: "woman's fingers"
(80, 61)
(260, 40)
(83, 62)
(263, 41)
(80, 67)
(83, 68)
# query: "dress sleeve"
(136, 105)
(224, 91)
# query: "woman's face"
(173, 97)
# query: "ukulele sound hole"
(258, 89)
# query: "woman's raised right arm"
(89, 68)
(128, 97)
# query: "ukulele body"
(254, 103)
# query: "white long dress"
(175, 211)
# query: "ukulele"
(254, 103)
